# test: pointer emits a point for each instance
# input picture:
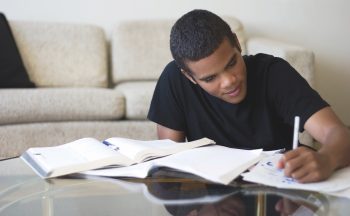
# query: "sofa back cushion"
(62, 55)
(140, 48)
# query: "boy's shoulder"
(171, 72)
(260, 58)
(266, 64)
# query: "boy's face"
(222, 74)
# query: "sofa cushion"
(12, 71)
(301, 59)
(60, 104)
(140, 49)
(17, 138)
(62, 55)
(138, 97)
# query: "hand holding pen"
(303, 163)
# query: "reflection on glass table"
(195, 198)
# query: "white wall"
(322, 26)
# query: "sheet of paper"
(342, 193)
(266, 172)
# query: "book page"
(78, 151)
(215, 163)
(79, 155)
(143, 150)
(90, 149)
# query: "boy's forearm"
(337, 147)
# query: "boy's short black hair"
(196, 35)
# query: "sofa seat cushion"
(138, 97)
(60, 104)
(17, 138)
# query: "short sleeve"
(166, 106)
(290, 93)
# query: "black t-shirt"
(276, 93)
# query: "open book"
(89, 153)
(214, 163)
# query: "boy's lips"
(234, 92)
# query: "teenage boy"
(211, 90)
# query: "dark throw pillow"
(12, 71)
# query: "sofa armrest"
(300, 58)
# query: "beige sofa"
(94, 85)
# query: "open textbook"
(89, 153)
(267, 173)
(214, 163)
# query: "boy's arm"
(306, 165)
(167, 133)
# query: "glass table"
(165, 192)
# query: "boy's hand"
(306, 165)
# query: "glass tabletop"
(165, 192)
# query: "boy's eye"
(209, 79)
(231, 64)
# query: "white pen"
(296, 132)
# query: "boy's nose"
(228, 79)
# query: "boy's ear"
(188, 76)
